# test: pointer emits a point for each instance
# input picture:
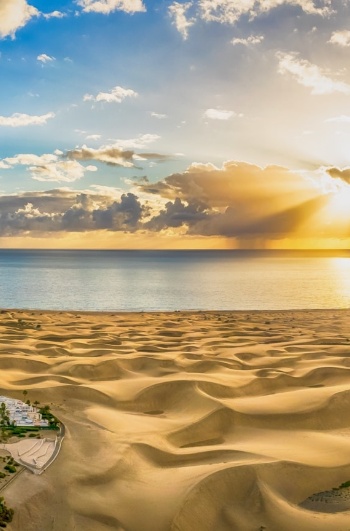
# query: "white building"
(21, 414)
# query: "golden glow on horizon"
(143, 242)
(252, 208)
(342, 275)
(339, 203)
(110, 240)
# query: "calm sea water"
(173, 280)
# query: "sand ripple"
(185, 421)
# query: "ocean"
(173, 280)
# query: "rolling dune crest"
(185, 420)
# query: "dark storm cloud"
(238, 201)
(67, 211)
(177, 214)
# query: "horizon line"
(324, 250)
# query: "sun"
(339, 201)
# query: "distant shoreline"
(311, 252)
(124, 313)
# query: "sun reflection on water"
(341, 274)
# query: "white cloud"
(342, 38)
(159, 116)
(309, 75)
(93, 137)
(343, 118)
(44, 58)
(218, 114)
(137, 143)
(29, 159)
(251, 40)
(111, 154)
(14, 14)
(29, 211)
(181, 22)
(62, 171)
(22, 120)
(120, 153)
(229, 11)
(226, 11)
(108, 6)
(54, 14)
(48, 167)
(108, 191)
(117, 95)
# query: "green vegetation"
(6, 514)
(46, 414)
(4, 418)
(18, 431)
(344, 485)
(10, 468)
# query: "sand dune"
(185, 421)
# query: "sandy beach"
(185, 421)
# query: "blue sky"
(111, 107)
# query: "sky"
(139, 124)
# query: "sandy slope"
(185, 421)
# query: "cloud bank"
(229, 12)
(62, 210)
(239, 201)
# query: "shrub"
(6, 514)
(344, 485)
(12, 469)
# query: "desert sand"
(185, 421)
